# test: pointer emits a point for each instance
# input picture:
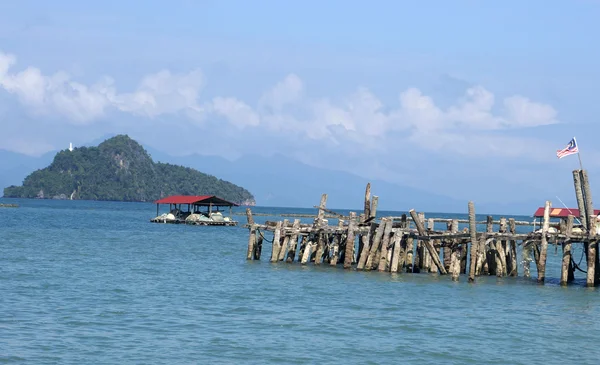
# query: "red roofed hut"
(194, 213)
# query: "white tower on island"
(70, 146)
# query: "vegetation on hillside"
(120, 169)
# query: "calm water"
(96, 283)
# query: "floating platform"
(193, 215)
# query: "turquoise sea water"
(97, 283)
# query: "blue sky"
(467, 98)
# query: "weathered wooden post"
(335, 254)
(384, 245)
(308, 249)
(349, 254)
(427, 242)
(367, 210)
(447, 251)
(430, 228)
(488, 254)
(372, 258)
(285, 240)
(501, 266)
(367, 246)
(544, 244)
(276, 242)
(579, 196)
(567, 269)
(473, 232)
(455, 252)
(252, 238)
(591, 259)
(397, 250)
(374, 206)
(293, 242)
(514, 271)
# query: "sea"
(85, 282)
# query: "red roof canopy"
(195, 200)
(561, 212)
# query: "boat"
(201, 210)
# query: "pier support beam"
(474, 243)
(566, 273)
(427, 242)
(349, 253)
(544, 244)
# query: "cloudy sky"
(467, 98)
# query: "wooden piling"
(410, 247)
(427, 242)
(383, 259)
(276, 242)
(335, 254)
(285, 241)
(367, 208)
(396, 251)
(258, 247)
(544, 243)
(367, 244)
(592, 248)
(374, 203)
(447, 251)
(252, 238)
(501, 265)
(579, 197)
(487, 253)
(372, 258)
(587, 198)
(514, 271)
(293, 242)
(307, 251)
(567, 269)
(349, 252)
(455, 252)
(473, 233)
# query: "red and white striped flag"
(569, 150)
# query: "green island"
(120, 169)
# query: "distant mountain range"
(279, 181)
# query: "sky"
(470, 99)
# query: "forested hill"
(120, 169)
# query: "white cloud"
(237, 112)
(361, 119)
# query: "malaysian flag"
(569, 150)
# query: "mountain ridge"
(120, 169)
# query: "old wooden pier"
(410, 243)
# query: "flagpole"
(578, 154)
